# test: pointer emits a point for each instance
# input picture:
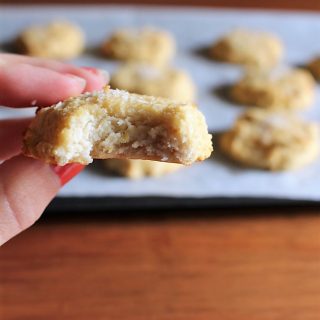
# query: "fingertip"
(96, 78)
(74, 84)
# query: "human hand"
(28, 185)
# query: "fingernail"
(82, 82)
(101, 72)
(67, 172)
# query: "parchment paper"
(193, 29)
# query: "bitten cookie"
(258, 49)
(272, 141)
(292, 89)
(314, 67)
(56, 40)
(143, 45)
(115, 124)
(153, 81)
(137, 169)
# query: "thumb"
(26, 188)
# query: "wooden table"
(240, 264)
(273, 4)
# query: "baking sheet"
(194, 29)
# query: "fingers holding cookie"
(12, 130)
(95, 78)
(36, 85)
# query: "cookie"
(137, 169)
(153, 81)
(314, 67)
(142, 45)
(251, 48)
(291, 89)
(116, 124)
(56, 40)
(271, 140)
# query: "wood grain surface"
(273, 4)
(240, 267)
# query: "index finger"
(95, 78)
(24, 85)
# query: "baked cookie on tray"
(137, 169)
(251, 48)
(148, 45)
(165, 82)
(56, 40)
(271, 140)
(116, 124)
(279, 89)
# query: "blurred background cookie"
(56, 40)
(247, 47)
(272, 141)
(137, 169)
(149, 80)
(289, 89)
(144, 45)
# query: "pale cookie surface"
(144, 45)
(314, 67)
(252, 48)
(137, 169)
(272, 141)
(115, 124)
(149, 80)
(56, 40)
(291, 89)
